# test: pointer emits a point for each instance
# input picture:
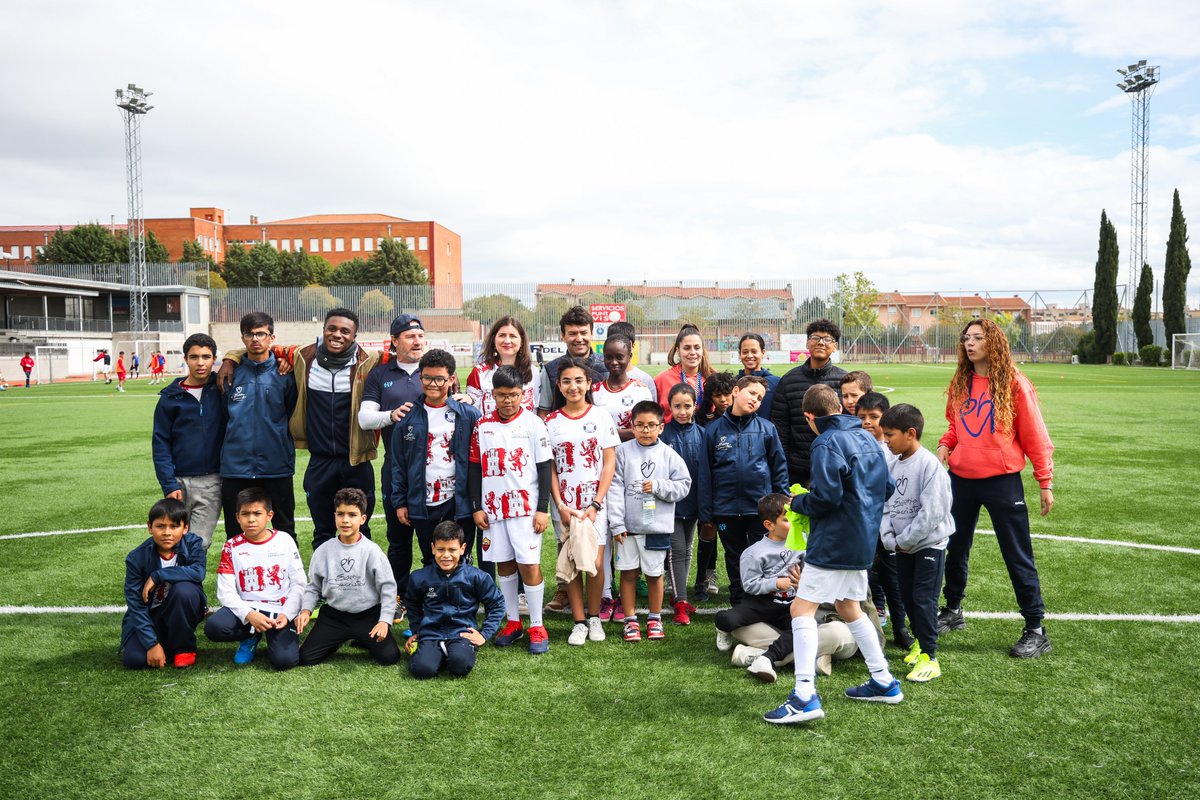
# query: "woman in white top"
(506, 344)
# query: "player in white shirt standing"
(509, 481)
(584, 439)
(620, 391)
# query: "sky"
(932, 145)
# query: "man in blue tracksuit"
(743, 460)
(258, 449)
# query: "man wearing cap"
(390, 387)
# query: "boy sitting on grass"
(442, 601)
(352, 575)
(260, 582)
(916, 527)
(848, 486)
(164, 592)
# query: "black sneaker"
(904, 640)
(1031, 645)
(950, 619)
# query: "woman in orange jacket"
(995, 424)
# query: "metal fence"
(156, 274)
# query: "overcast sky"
(933, 145)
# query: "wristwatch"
(596, 506)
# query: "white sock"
(804, 642)
(533, 598)
(508, 587)
(868, 644)
(608, 559)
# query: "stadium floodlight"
(132, 101)
(1122, 71)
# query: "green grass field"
(1107, 714)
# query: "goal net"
(51, 363)
(1185, 351)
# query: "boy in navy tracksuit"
(430, 448)
(258, 449)
(189, 428)
(743, 460)
(164, 592)
(686, 438)
(442, 600)
(848, 486)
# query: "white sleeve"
(227, 596)
(296, 585)
(370, 418)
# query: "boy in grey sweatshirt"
(649, 480)
(352, 575)
(916, 527)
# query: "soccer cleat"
(901, 636)
(796, 710)
(876, 692)
(682, 615)
(926, 669)
(914, 653)
(633, 631)
(724, 641)
(559, 601)
(607, 606)
(1031, 645)
(397, 620)
(699, 595)
(579, 634)
(184, 660)
(744, 655)
(513, 631)
(539, 640)
(710, 587)
(618, 615)
(245, 651)
(595, 630)
(763, 669)
(950, 619)
(654, 629)
(523, 605)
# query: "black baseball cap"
(406, 322)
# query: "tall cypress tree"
(1104, 293)
(1141, 308)
(1179, 263)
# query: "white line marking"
(105, 529)
(1166, 548)
(62, 609)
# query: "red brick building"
(334, 237)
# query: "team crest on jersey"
(239, 394)
(626, 400)
(487, 543)
(409, 436)
(723, 444)
(431, 593)
(450, 417)
(589, 427)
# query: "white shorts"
(512, 540)
(820, 585)
(601, 523)
(633, 554)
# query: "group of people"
(623, 468)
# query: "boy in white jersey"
(620, 391)
(509, 482)
(260, 583)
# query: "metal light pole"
(132, 102)
(1138, 82)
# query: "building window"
(412, 245)
(327, 245)
(447, 248)
(193, 309)
(916, 313)
(340, 245)
(27, 251)
(368, 244)
(274, 244)
(423, 244)
(297, 244)
(314, 245)
(287, 245)
(356, 244)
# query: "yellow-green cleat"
(926, 669)
(914, 653)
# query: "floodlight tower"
(1137, 81)
(132, 102)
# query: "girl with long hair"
(506, 344)
(687, 362)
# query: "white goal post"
(1185, 351)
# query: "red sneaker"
(654, 630)
(513, 631)
(539, 640)
(184, 660)
(633, 631)
(682, 615)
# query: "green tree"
(156, 251)
(698, 313)
(352, 272)
(393, 263)
(855, 295)
(490, 307)
(546, 314)
(258, 266)
(1104, 293)
(375, 303)
(1175, 275)
(1141, 308)
(83, 244)
(299, 268)
(193, 253)
(316, 299)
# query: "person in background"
(794, 431)
(752, 351)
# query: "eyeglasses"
(257, 335)
(979, 337)
(821, 339)
(646, 427)
(434, 380)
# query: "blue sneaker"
(796, 710)
(877, 692)
(513, 631)
(246, 650)
(539, 640)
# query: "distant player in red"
(121, 371)
(102, 355)
(27, 366)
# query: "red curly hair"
(1002, 373)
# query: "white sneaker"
(744, 655)
(724, 641)
(595, 629)
(522, 605)
(711, 585)
(762, 669)
(579, 634)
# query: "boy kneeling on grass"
(164, 592)
(442, 600)
(260, 582)
(848, 486)
(352, 575)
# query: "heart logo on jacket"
(347, 564)
(901, 485)
(647, 469)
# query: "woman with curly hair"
(995, 424)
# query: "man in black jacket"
(794, 432)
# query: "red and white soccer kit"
(620, 402)
(479, 389)
(579, 444)
(266, 576)
(439, 460)
(508, 452)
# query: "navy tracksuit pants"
(283, 644)
(737, 533)
(1004, 498)
(457, 654)
(322, 479)
(920, 577)
(175, 621)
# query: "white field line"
(105, 529)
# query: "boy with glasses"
(786, 412)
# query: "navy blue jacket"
(408, 449)
(764, 410)
(442, 606)
(849, 485)
(688, 442)
(141, 563)
(259, 402)
(391, 386)
(187, 433)
(742, 461)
